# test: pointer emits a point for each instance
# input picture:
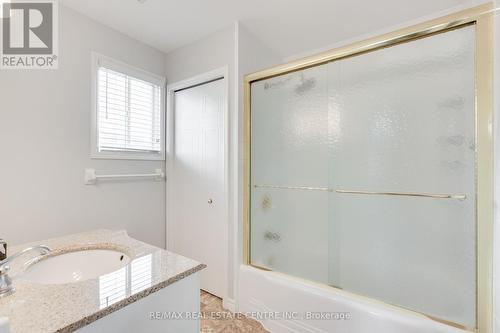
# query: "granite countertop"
(37, 308)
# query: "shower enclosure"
(368, 172)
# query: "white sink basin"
(75, 266)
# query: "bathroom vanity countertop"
(37, 308)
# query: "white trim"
(223, 73)
(122, 67)
(237, 139)
(229, 304)
(98, 60)
(496, 172)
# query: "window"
(128, 111)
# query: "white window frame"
(98, 60)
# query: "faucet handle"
(3, 250)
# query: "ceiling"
(287, 26)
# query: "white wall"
(45, 145)
(211, 52)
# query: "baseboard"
(229, 304)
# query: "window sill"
(110, 155)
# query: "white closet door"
(197, 191)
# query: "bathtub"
(284, 304)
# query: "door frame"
(219, 73)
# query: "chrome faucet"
(6, 287)
(3, 250)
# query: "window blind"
(129, 116)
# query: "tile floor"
(216, 319)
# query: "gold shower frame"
(481, 16)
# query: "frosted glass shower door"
(404, 121)
(327, 145)
(290, 149)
